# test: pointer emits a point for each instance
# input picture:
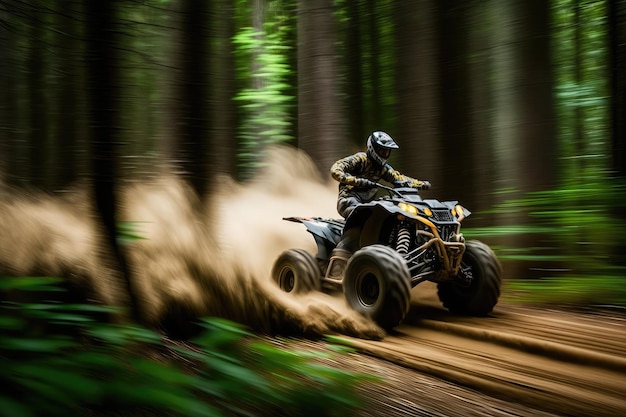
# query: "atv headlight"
(427, 211)
(408, 208)
(459, 212)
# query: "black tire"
(376, 284)
(297, 271)
(481, 296)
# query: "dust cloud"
(193, 259)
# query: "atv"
(403, 240)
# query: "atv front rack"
(449, 254)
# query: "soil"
(521, 360)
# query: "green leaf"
(66, 379)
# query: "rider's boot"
(337, 264)
(340, 255)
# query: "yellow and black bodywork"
(433, 244)
(394, 243)
(425, 232)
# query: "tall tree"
(524, 134)
(416, 90)
(617, 76)
(69, 85)
(537, 160)
(504, 118)
(7, 97)
(523, 116)
(14, 29)
(224, 110)
(38, 122)
(104, 91)
(193, 110)
(454, 88)
(320, 122)
(579, 119)
(374, 23)
(479, 106)
(354, 73)
(291, 40)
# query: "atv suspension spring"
(404, 241)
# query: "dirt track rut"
(561, 363)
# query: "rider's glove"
(425, 185)
(365, 183)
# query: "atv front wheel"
(376, 284)
(481, 296)
(296, 271)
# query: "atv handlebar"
(365, 183)
(390, 190)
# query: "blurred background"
(516, 109)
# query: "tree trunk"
(8, 100)
(193, 137)
(455, 122)
(479, 106)
(505, 122)
(525, 138)
(504, 117)
(421, 152)
(320, 126)
(37, 97)
(69, 93)
(224, 110)
(617, 77)
(354, 78)
(579, 120)
(538, 140)
(374, 21)
(104, 93)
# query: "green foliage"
(599, 290)
(580, 57)
(580, 231)
(284, 382)
(265, 95)
(577, 230)
(58, 359)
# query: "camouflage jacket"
(349, 169)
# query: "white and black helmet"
(379, 146)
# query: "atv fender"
(371, 218)
(326, 236)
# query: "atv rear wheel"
(481, 296)
(296, 270)
(376, 284)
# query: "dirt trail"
(554, 362)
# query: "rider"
(358, 174)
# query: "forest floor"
(522, 360)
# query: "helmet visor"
(383, 153)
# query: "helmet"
(379, 146)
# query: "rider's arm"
(343, 169)
(396, 177)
